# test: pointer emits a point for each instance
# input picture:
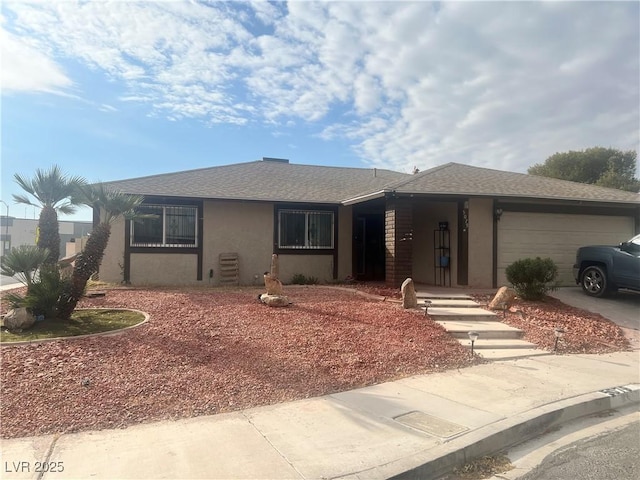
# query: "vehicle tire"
(594, 281)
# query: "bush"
(43, 293)
(532, 278)
(300, 279)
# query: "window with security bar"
(305, 229)
(165, 226)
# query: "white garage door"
(558, 236)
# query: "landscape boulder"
(275, 300)
(19, 319)
(503, 299)
(409, 297)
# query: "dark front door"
(368, 243)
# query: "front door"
(368, 243)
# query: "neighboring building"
(22, 231)
(453, 224)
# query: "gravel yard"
(210, 351)
(585, 332)
(206, 352)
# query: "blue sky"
(112, 90)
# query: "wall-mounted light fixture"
(465, 216)
(498, 213)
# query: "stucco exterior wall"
(110, 269)
(319, 266)
(480, 242)
(245, 228)
(242, 227)
(163, 269)
(426, 217)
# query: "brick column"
(398, 239)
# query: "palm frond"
(24, 200)
(66, 208)
(50, 187)
(22, 262)
(111, 203)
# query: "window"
(305, 229)
(165, 226)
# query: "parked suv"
(600, 269)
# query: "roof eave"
(364, 198)
(500, 196)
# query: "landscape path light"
(427, 304)
(558, 332)
(473, 336)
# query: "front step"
(443, 296)
(497, 344)
(449, 303)
(511, 354)
(485, 329)
(461, 314)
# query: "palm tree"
(54, 192)
(112, 205)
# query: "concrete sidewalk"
(419, 426)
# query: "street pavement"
(611, 455)
(416, 427)
(7, 283)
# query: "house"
(22, 231)
(451, 225)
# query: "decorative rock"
(409, 297)
(19, 319)
(274, 286)
(275, 268)
(275, 300)
(503, 299)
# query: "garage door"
(558, 236)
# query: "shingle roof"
(265, 181)
(279, 181)
(458, 179)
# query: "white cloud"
(407, 83)
(26, 68)
(107, 108)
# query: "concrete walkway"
(459, 314)
(420, 426)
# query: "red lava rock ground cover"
(585, 332)
(205, 352)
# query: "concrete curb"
(89, 335)
(435, 463)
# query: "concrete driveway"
(623, 307)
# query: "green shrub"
(532, 278)
(300, 279)
(43, 293)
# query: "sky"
(123, 89)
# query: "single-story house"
(451, 225)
